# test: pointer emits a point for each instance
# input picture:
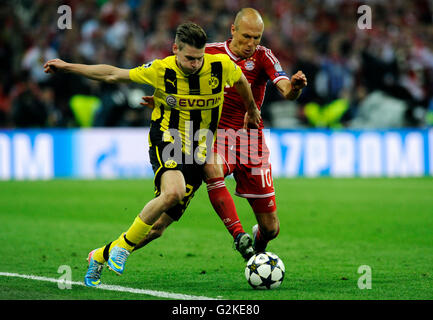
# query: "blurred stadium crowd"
(358, 78)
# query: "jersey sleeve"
(273, 67)
(147, 73)
(234, 73)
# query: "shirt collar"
(229, 52)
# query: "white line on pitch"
(159, 294)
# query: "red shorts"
(246, 155)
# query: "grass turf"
(329, 228)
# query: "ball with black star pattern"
(265, 270)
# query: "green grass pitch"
(329, 228)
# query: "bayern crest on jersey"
(249, 65)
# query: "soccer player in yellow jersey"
(189, 94)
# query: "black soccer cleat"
(243, 243)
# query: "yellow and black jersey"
(187, 106)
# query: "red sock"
(224, 205)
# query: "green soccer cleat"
(243, 243)
(117, 260)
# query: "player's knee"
(212, 171)
(172, 197)
(172, 188)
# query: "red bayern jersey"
(258, 69)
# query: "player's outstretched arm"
(292, 89)
(252, 118)
(100, 72)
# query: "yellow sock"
(134, 235)
(99, 253)
(115, 242)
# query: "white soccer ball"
(265, 270)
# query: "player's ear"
(175, 48)
(233, 29)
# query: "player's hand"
(54, 65)
(298, 81)
(252, 119)
(148, 101)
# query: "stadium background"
(359, 79)
(367, 112)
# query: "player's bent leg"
(268, 226)
(101, 254)
(157, 230)
(224, 205)
(220, 197)
(172, 191)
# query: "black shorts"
(193, 174)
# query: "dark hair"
(192, 34)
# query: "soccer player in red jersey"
(243, 153)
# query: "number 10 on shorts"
(266, 177)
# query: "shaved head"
(247, 31)
(250, 16)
